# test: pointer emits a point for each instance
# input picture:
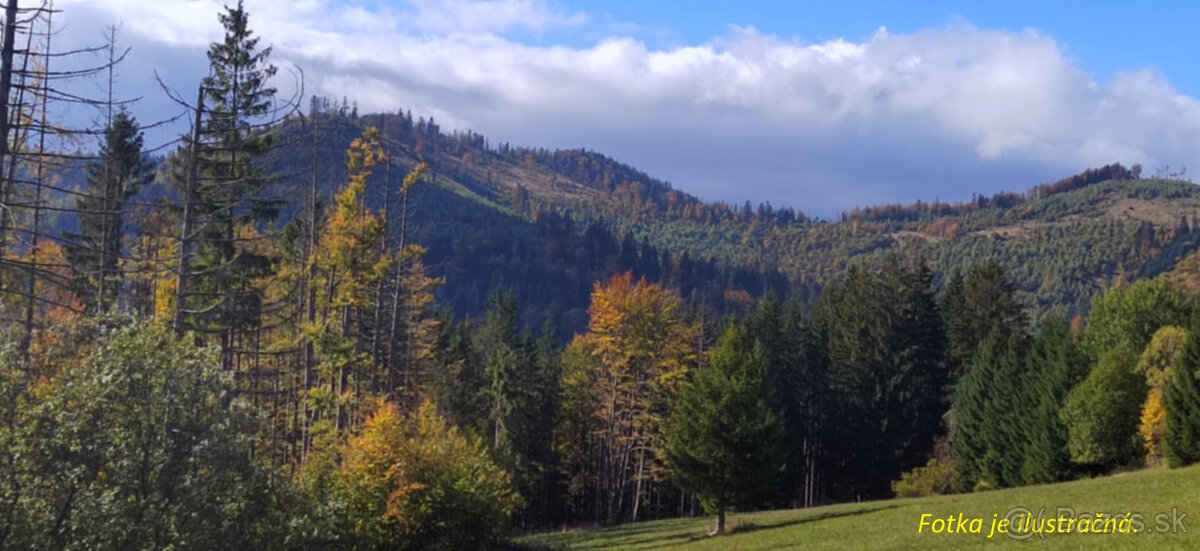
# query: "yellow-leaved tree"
(348, 264)
(1158, 364)
(621, 378)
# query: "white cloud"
(490, 16)
(941, 112)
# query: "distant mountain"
(547, 224)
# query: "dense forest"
(308, 328)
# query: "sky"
(821, 106)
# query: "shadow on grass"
(628, 537)
(752, 527)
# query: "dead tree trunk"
(189, 199)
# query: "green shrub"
(935, 478)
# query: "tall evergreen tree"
(1182, 444)
(987, 340)
(886, 351)
(94, 252)
(987, 440)
(920, 353)
(778, 328)
(723, 438)
(958, 348)
(502, 354)
(1055, 365)
(523, 376)
(461, 388)
(231, 189)
(989, 304)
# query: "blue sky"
(1102, 36)
(822, 106)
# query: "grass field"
(893, 524)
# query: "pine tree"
(1182, 444)
(94, 252)
(723, 440)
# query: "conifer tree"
(987, 441)
(919, 346)
(461, 387)
(94, 252)
(958, 347)
(886, 350)
(723, 438)
(1055, 365)
(347, 272)
(778, 327)
(1182, 444)
(989, 305)
(228, 190)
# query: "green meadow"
(893, 524)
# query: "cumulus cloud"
(942, 112)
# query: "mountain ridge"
(488, 213)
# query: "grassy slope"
(893, 524)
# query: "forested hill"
(547, 224)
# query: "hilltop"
(547, 224)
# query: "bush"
(937, 477)
(117, 435)
(409, 483)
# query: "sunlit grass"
(893, 524)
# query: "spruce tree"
(986, 328)
(976, 306)
(886, 348)
(723, 437)
(94, 252)
(959, 347)
(919, 349)
(1055, 365)
(779, 328)
(1182, 444)
(231, 191)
